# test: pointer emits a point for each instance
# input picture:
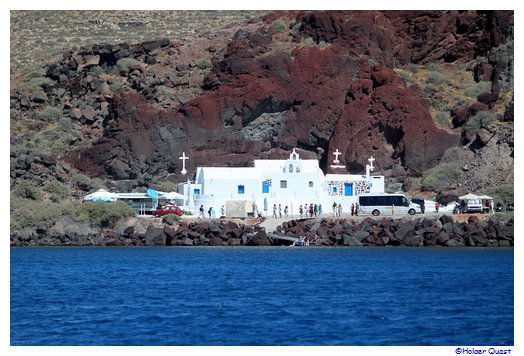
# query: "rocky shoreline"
(435, 231)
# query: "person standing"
(319, 209)
(315, 209)
(311, 210)
(222, 211)
(280, 210)
(353, 209)
(300, 210)
(437, 206)
(210, 211)
(356, 209)
(201, 212)
(285, 211)
(275, 211)
(334, 209)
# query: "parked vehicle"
(473, 206)
(387, 204)
(168, 209)
(420, 202)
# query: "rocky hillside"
(428, 93)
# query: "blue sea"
(261, 296)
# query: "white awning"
(170, 195)
(469, 196)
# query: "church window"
(311, 184)
(283, 184)
(334, 189)
(290, 168)
(241, 189)
(298, 170)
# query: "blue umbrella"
(152, 193)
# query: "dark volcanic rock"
(154, 236)
(259, 239)
(334, 89)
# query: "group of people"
(210, 212)
(286, 211)
(337, 209)
(311, 210)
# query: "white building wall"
(221, 184)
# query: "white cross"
(336, 153)
(183, 158)
(371, 162)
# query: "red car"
(168, 209)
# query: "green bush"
(309, 41)
(170, 219)
(503, 193)
(166, 186)
(50, 114)
(87, 184)
(123, 65)
(413, 68)
(295, 28)
(28, 190)
(35, 83)
(323, 44)
(480, 120)
(102, 213)
(443, 176)
(478, 88)
(26, 212)
(165, 91)
(434, 67)
(429, 89)
(57, 191)
(279, 26)
(453, 154)
(412, 183)
(204, 64)
(443, 118)
(435, 78)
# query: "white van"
(387, 204)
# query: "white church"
(291, 182)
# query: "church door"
(348, 189)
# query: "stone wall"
(441, 231)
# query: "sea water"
(261, 296)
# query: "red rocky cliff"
(328, 85)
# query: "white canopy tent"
(101, 195)
(469, 196)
